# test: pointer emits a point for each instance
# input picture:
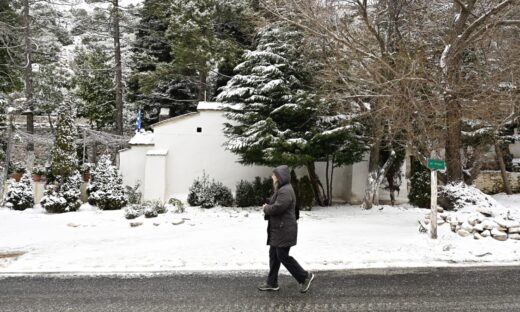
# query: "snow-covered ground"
(338, 237)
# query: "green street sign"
(436, 164)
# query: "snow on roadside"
(338, 237)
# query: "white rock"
(486, 233)
(501, 222)
(487, 211)
(514, 230)
(514, 236)
(472, 220)
(478, 227)
(489, 224)
(136, 224)
(463, 233)
(426, 221)
(499, 235)
(467, 227)
(440, 209)
(476, 235)
(440, 221)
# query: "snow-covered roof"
(215, 106)
(142, 138)
(167, 121)
(157, 152)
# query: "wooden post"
(433, 205)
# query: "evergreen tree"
(20, 194)
(272, 111)
(95, 87)
(10, 61)
(279, 119)
(106, 189)
(63, 190)
(153, 83)
(64, 158)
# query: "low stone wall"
(490, 182)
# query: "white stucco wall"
(191, 153)
(132, 163)
(515, 149)
(155, 175)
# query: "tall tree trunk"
(373, 169)
(119, 70)
(331, 179)
(5, 173)
(28, 75)
(315, 182)
(203, 90)
(375, 178)
(453, 139)
(502, 166)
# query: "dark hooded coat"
(282, 229)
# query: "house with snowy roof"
(166, 161)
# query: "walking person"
(282, 232)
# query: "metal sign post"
(434, 165)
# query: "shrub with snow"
(420, 189)
(20, 194)
(263, 190)
(106, 187)
(133, 193)
(208, 194)
(153, 208)
(175, 205)
(133, 211)
(245, 194)
(455, 196)
(63, 195)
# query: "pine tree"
(204, 32)
(64, 158)
(20, 194)
(95, 87)
(63, 190)
(10, 61)
(271, 104)
(152, 83)
(106, 189)
(279, 118)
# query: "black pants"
(279, 255)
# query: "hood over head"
(283, 174)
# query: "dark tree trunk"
(500, 160)
(315, 182)
(118, 68)
(453, 139)
(28, 73)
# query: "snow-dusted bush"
(208, 194)
(175, 205)
(455, 196)
(263, 190)
(133, 211)
(420, 187)
(133, 193)
(63, 195)
(245, 194)
(153, 208)
(106, 186)
(20, 194)
(305, 193)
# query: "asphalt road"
(446, 289)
